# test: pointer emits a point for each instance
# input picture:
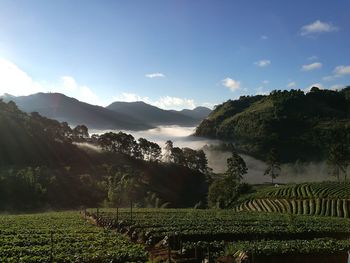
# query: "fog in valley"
(182, 137)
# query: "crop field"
(331, 190)
(226, 230)
(321, 199)
(62, 237)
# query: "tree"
(168, 151)
(177, 156)
(119, 143)
(150, 151)
(224, 192)
(202, 162)
(155, 152)
(236, 167)
(195, 160)
(338, 160)
(273, 166)
(80, 133)
(190, 157)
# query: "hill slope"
(43, 163)
(299, 126)
(156, 116)
(62, 108)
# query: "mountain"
(65, 109)
(118, 115)
(298, 126)
(156, 116)
(198, 113)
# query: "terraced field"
(321, 199)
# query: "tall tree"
(236, 167)
(177, 156)
(273, 165)
(338, 160)
(150, 151)
(168, 151)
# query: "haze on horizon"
(172, 54)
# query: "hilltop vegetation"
(299, 126)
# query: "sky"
(172, 54)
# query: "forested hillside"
(298, 126)
(48, 164)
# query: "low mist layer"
(182, 137)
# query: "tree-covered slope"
(48, 164)
(298, 125)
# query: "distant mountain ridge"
(156, 116)
(118, 115)
(62, 108)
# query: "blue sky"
(173, 54)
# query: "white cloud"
(166, 102)
(291, 84)
(15, 81)
(155, 75)
(338, 72)
(232, 84)
(174, 103)
(263, 63)
(69, 83)
(317, 27)
(265, 81)
(318, 85)
(263, 37)
(342, 70)
(311, 66)
(131, 97)
(70, 87)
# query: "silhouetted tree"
(338, 160)
(273, 165)
(177, 156)
(168, 150)
(150, 151)
(80, 133)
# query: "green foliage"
(297, 125)
(338, 160)
(236, 167)
(150, 151)
(27, 238)
(152, 225)
(273, 165)
(223, 193)
(287, 247)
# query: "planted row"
(319, 206)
